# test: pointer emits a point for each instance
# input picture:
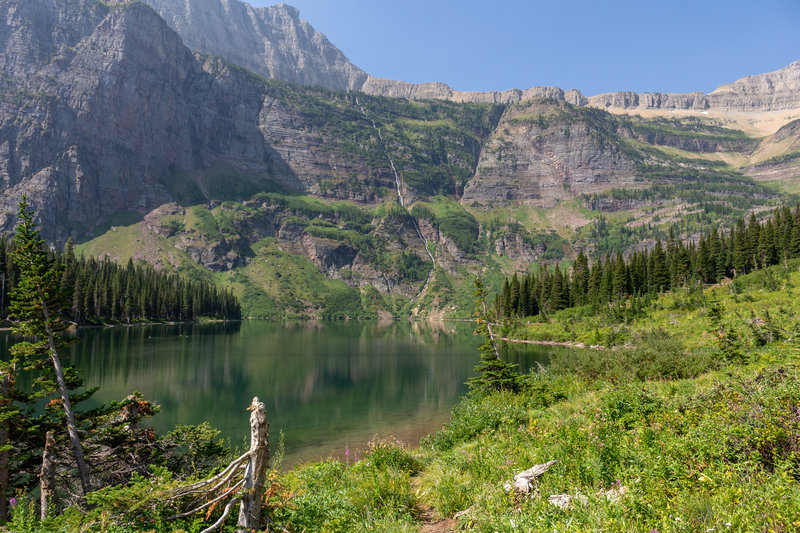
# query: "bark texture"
(255, 474)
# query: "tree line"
(750, 245)
(101, 290)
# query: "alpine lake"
(329, 387)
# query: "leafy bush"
(475, 415)
(388, 453)
(343, 303)
(655, 354)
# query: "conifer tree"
(619, 282)
(659, 277)
(37, 307)
(515, 294)
(580, 279)
(493, 373)
(524, 298)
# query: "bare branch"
(209, 481)
(208, 503)
(216, 525)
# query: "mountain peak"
(292, 11)
(272, 41)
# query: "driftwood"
(525, 481)
(565, 500)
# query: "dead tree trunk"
(47, 477)
(72, 428)
(5, 402)
(255, 474)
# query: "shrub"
(474, 415)
(655, 354)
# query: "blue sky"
(592, 45)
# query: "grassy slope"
(718, 451)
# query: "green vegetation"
(686, 420)
(451, 219)
(434, 144)
(102, 291)
(687, 439)
(747, 247)
(780, 159)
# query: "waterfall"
(398, 186)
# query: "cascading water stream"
(398, 187)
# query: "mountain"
(275, 43)
(272, 41)
(310, 201)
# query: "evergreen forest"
(711, 258)
(101, 291)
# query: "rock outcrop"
(772, 91)
(441, 91)
(763, 92)
(540, 154)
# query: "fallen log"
(526, 481)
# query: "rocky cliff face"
(101, 105)
(82, 87)
(772, 91)
(763, 92)
(542, 153)
(272, 41)
(441, 91)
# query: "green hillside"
(289, 249)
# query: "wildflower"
(12, 502)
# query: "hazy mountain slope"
(274, 42)
(777, 159)
(271, 41)
(97, 113)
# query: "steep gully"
(398, 186)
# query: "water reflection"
(327, 385)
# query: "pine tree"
(515, 294)
(619, 281)
(493, 373)
(524, 298)
(659, 276)
(37, 307)
(580, 279)
(506, 299)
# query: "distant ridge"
(274, 42)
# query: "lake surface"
(327, 385)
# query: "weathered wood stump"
(255, 474)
